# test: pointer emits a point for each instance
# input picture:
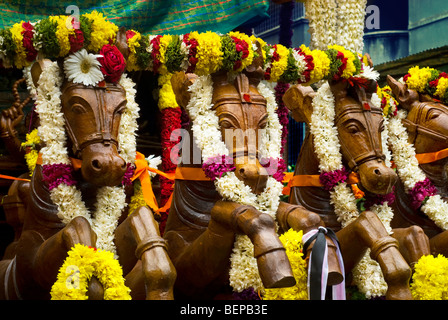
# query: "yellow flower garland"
(430, 279)
(102, 31)
(292, 241)
(32, 139)
(20, 58)
(248, 61)
(81, 264)
(350, 69)
(321, 64)
(167, 99)
(62, 33)
(418, 78)
(133, 43)
(209, 52)
(279, 67)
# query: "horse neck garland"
(244, 270)
(110, 200)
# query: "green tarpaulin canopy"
(145, 16)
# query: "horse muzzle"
(376, 177)
(101, 165)
(253, 175)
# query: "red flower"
(27, 41)
(76, 40)
(112, 63)
(130, 34)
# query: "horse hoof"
(275, 270)
(95, 290)
(398, 293)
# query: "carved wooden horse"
(359, 131)
(92, 116)
(201, 228)
(427, 127)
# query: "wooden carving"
(358, 124)
(426, 124)
(201, 228)
(92, 117)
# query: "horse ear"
(180, 82)
(299, 100)
(37, 69)
(405, 97)
(121, 43)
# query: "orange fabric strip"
(431, 156)
(188, 173)
(2, 176)
(310, 180)
(76, 163)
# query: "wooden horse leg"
(368, 232)
(298, 218)
(439, 244)
(273, 264)
(138, 239)
(37, 261)
(413, 243)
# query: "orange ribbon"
(2, 176)
(431, 156)
(310, 180)
(141, 172)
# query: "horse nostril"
(242, 171)
(96, 164)
(377, 171)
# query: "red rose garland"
(171, 120)
(27, 41)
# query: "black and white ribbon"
(318, 264)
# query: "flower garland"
(367, 274)
(80, 266)
(430, 278)
(322, 17)
(30, 146)
(244, 272)
(428, 81)
(350, 24)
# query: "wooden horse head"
(242, 113)
(92, 119)
(426, 121)
(359, 124)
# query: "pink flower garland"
(330, 179)
(216, 167)
(55, 174)
(420, 193)
(275, 167)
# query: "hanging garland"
(78, 269)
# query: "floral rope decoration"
(428, 81)
(80, 266)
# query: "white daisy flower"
(83, 67)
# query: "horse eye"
(78, 108)
(121, 110)
(226, 124)
(262, 125)
(433, 114)
(352, 128)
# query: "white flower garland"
(409, 171)
(336, 22)
(350, 24)
(322, 17)
(110, 200)
(367, 274)
(244, 271)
